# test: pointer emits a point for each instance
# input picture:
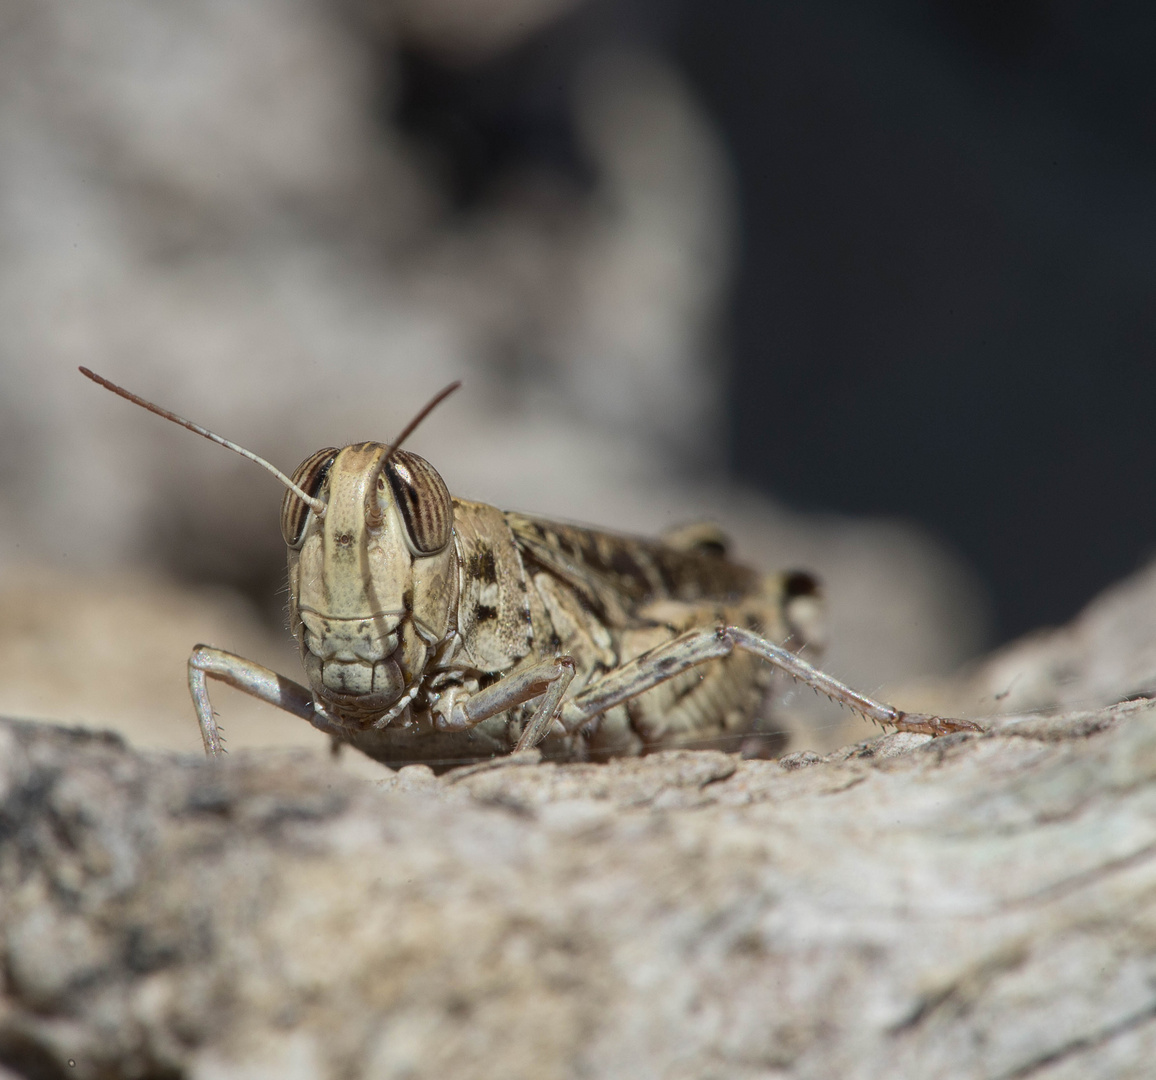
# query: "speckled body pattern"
(379, 622)
(443, 631)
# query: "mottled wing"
(614, 575)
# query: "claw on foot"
(921, 724)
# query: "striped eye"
(309, 477)
(423, 499)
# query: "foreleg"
(260, 682)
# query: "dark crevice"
(1082, 1044)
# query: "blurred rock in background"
(293, 222)
(1105, 655)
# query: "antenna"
(316, 505)
(373, 514)
(409, 428)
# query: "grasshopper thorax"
(373, 578)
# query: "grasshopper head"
(373, 577)
(372, 567)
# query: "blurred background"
(871, 284)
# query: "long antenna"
(409, 428)
(316, 505)
(373, 513)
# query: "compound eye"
(424, 501)
(310, 477)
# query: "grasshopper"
(439, 630)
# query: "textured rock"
(1108, 652)
(968, 907)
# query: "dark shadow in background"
(946, 303)
(945, 306)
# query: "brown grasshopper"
(445, 631)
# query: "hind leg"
(713, 705)
(698, 646)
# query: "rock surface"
(1107, 653)
(976, 906)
